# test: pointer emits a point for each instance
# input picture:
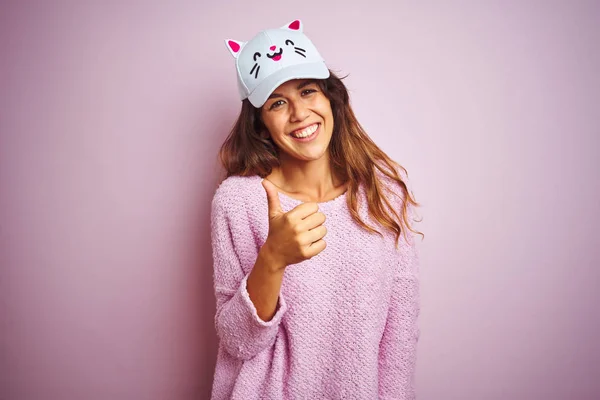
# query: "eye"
(276, 104)
(308, 91)
(288, 42)
(256, 55)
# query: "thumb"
(272, 198)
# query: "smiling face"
(299, 119)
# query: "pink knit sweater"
(346, 324)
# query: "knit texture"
(346, 323)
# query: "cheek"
(326, 112)
(278, 125)
(275, 125)
(324, 105)
(267, 119)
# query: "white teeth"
(306, 131)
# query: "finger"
(272, 199)
(313, 235)
(316, 248)
(304, 210)
(312, 221)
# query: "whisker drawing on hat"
(270, 50)
(275, 56)
(315, 265)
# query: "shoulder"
(236, 192)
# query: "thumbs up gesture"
(294, 236)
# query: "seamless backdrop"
(111, 115)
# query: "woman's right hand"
(294, 236)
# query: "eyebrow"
(300, 86)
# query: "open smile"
(307, 133)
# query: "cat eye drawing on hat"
(273, 57)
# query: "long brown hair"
(354, 157)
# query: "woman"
(316, 277)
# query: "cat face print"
(264, 53)
(269, 53)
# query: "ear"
(234, 46)
(295, 25)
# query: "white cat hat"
(272, 57)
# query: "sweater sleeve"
(240, 330)
(398, 347)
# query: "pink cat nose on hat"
(260, 73)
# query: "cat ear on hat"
(295, 25)
(234, 46)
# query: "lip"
(309, 138)
(304, 127)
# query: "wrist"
(270, 258)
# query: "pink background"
(110, 120)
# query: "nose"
(273, 48)
(299, 111)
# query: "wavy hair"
(356, 159)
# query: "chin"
(311, 157)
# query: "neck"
(314, 180)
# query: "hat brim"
(261, 93)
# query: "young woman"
(315, 268)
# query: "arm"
(398, 347)
(264, 284)
(241, 330)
